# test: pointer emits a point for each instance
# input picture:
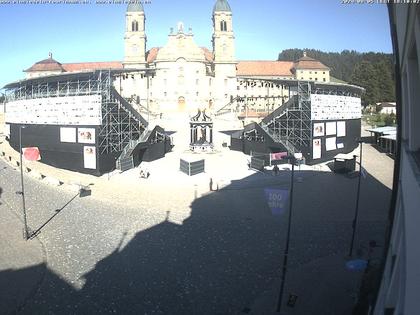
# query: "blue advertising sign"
(356, 264)
(277, 200)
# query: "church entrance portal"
(181, 104)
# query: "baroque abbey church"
(154, 99)
(181, 76)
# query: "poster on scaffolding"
(63, 110)
(89, 157)
(341, 128)
(86, 135)
(316, 148)
(330, 128)
(318, 129)
(330, 143)
(334, 107)
(7, 130)
(68, 134)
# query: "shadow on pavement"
(57, 211)
(227, 253)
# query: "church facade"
(185, 76)
(182, 77)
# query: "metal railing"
(126, 154)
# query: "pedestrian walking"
(211, 184)
(276, 170)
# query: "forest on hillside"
(373, 71)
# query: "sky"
(263, 28)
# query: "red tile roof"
(89, 66)
(152, 54)
(264, 68)
(208, 54)
(46, 65)
(309, 63)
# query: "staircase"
(279, 113)
(128, 107)
(227, 108)
(125, 160)
(285, 142)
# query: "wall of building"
(339, 143)
(261, 96)
(181, 85)
(57, 153)
(37, 74)
(319, 75)
(400, 286)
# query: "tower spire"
(135, 36)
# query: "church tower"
(223, 38)
(224, 86)
(135, 36)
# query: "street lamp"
(147, 100)
(291, 159)
(22, 192)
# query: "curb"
(31, 172)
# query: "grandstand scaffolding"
(290, 124)
(121, 125)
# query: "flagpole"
(286, 251)
(26, 234)
(356, 212)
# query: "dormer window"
(134, 26)
(223, 26)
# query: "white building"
(400, 286)
(386, 108)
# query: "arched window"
(223, 26)
(134, 26)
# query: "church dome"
(135, 6)
(222, 5)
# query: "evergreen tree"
(385, 81)
(365, 75)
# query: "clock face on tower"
(134, 49)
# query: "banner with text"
(276, 200)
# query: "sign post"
(356, 211)
(22, 192)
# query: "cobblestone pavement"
(183, 251)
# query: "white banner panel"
(341, 128)
(319, 129)
(6, 130)
(69, 110)
(68, 134)
(330, 144)
(89, 157)
(330, 128)
(86, 135)
(334, 107)
(316, 148)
